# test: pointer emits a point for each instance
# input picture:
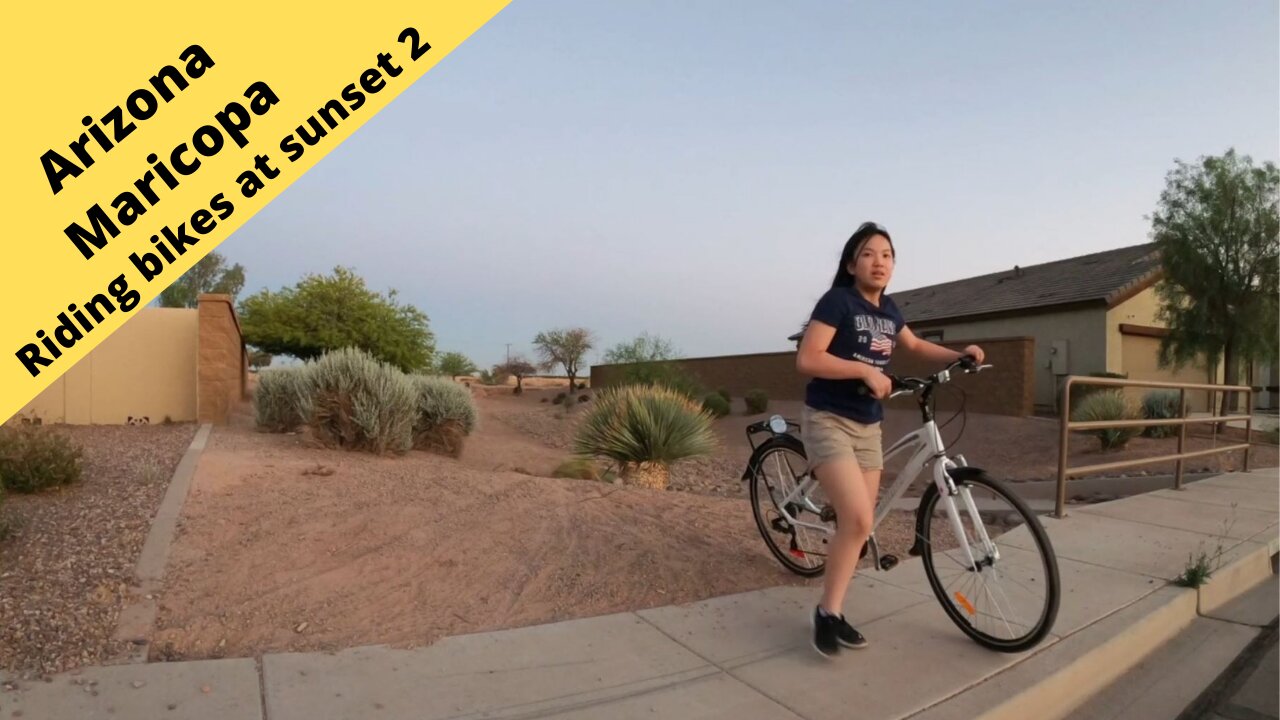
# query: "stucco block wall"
(1006, 392)
(223, 362)
(147, 368)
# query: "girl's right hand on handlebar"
(880, 385)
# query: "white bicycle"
(1004, 597)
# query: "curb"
(1160, 616)
(1237, 578)
(138, 617)
(1145, 626)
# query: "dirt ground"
(65, 569)
(288, 547)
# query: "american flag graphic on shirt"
(881, 344)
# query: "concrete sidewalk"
(747, 656)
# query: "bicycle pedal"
(780, 525)
(828, 514)
(888, 562)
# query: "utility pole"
(508, 352)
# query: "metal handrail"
(1067, 425)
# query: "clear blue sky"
(691, 169)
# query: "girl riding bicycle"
(847, 343)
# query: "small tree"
(565, 348)
(259, 359)
(645, 348)
(330, 312)
(1216, 229)
(518, 367)
(454, 364)
(209, 275)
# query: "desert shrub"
(757, 402)
(559, 398)
(1110, 405)
(584, 398)
(282, 401)
(1161, 405)
(716, 405)
(665, 374)
(578, 468)
(725, 394)
(1080, 392)
(359, 403)
(582, 386)
(486, 377)
(34, 458)
(644, 428)
(446, 415)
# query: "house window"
(931, 335)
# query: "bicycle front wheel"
(1003, 593)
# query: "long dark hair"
(844, 278)
(865, 232)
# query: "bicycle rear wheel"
(1007, 600)
(780, 465)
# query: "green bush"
(757, 402)
(725, 394)
(578, 468)
(1110, 405)
(664, 374)
(644, 429)
(716, 405)
(34, 458)
(359, 403)
(446, 415)
(1161, 405)
(1080, 392)
(282, 401)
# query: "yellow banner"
(135, 141)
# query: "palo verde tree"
(1216, 228)
(564, 347)
(455, 364)
(210, 274)
(329, 312)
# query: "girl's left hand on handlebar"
(976, 353)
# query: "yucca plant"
(1108, 405)
(644, 429)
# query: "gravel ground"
(67, 565)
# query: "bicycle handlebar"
(904, 385)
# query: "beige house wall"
(146, 369)
(1138, 356)
(1082, 329)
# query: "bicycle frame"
(926, 447)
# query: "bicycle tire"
(758, 478)
(1048, 559)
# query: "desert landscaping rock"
(69, 564)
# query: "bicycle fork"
(948, 492)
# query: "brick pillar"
(222, 366)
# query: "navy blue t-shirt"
(865, 333)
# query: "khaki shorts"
(828, 437)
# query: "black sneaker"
(847, 636)
(826, 634)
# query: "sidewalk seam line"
(717, 666)
(261, 665)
